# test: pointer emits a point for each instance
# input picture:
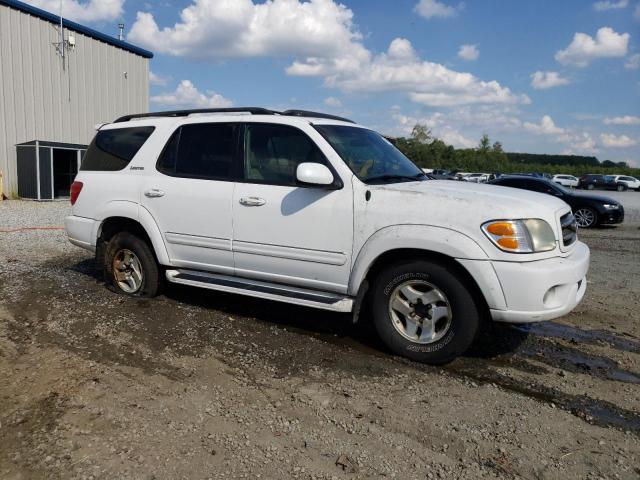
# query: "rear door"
(284, 231)
(190, 193)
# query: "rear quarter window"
(112, 150)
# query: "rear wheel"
(130, 267)
(424, 312)
(621, 188)
(586, 217)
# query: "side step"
(260, 289)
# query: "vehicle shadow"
(335, 328)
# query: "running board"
(260, 289)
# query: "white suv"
(631, 182)
(315, 210)
(566, 180)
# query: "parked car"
(479, 177)
(632, 183)
(605, 182)
(589, 210)
(566, 180)
(314, 210)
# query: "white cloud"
(468, 52)
(321, 39)
(545, 127)
(155, 79)
(333, 102)
(437, 9)
(400, 69)
(633, 62)
(623, 120)
(582, 143)
(240, 28)
(584, 48)
(91, 11)
(186, 95)
(617, 141)
(610, 5)
(544, 80)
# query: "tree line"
(426, 151)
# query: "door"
(190, 193)
(284, 231)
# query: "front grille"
(569, 229)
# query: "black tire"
(621, 188)
(595, 215)
(466, 317)
(151, 276)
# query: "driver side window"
(273, 152)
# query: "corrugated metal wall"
(34, 89)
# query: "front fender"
(441, 240)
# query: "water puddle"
(575, 361)
(576, 335)
(596, 412)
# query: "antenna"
(121, 31)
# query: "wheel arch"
(439, 244)
(142, 225)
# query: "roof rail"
(184, 113)
(307, 113)
(251, 110)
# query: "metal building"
(58, 79)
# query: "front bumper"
(612, 216)
(81, 231)
(543, 289)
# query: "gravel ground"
(196, 384)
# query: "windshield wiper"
(412, 178)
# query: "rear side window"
(202, 150)
(513, 182)
(112, 150)
(273, 153)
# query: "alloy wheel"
(585, 217)
(127, 271)
(420, 311)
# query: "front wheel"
(423, 311)
(130, 267)
(586, 217)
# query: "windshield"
(371, 157)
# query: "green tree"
(485, 144)
(497, 147)
(421, 134)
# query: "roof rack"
(184, 113)
(251, 110)
(307, 113)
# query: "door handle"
(252, 201)
(154, 192)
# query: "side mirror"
(314, 174)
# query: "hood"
(458, 206)
(596, 198)
(487, 201)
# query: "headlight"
(521, 236)
(611, 206)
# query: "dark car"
(589, 210)
(605, 182)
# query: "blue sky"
(463, 68)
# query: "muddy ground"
(196, 384)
